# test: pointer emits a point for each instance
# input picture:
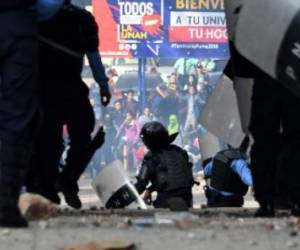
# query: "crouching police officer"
(18, 101)
(168, 169)
(229, 177)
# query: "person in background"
(192, 107)
(112, 76)
(107, 150)
(229, 177)
(118, 114)
(147, 116)
(94, 165)
(203, 87)
(130, 129)
(173, 126)
(183, 67)
(165, 89)
(131, 105)
(192, 80)
(170, 104)
(208, 65)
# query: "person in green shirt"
(173, 126)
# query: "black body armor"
(168, 169)
(223, 177)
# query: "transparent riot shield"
(232, 10)
(209, 145)
(113, 187)
(243, 89)
(277, 51)
(220, 114)
(253, 20)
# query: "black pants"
(163, 197)
(18, 105)
(18, 74)
(275, 127)
(215, 199)
(77, 114)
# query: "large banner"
(163, 28)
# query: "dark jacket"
(65, 39)
(16, 4)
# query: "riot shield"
(232, 10)
(209, 145)
(267, 34)
(251, 28)
(114, 188)
(243, 89)
(220, 114)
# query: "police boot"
(177, 204)
(70, 190)
(76, 162)
(265, 210)
(33, 186)
(295, 201)
(296, 209)
(50, 195)
(12, 169)
(67, 180)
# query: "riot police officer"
(65, 39)
(18, 102)
(168, 169)
(275, 153)
(229, 177)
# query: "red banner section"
(192, 34)
(109, 45)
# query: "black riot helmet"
(155, 136)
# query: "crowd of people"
(176, 103)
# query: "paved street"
(89, 197)
(227, 229)
(214, 229)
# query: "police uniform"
(18, 101)
(65, 39)
(170, 174)
(166, 166)
(226, 187)
(275, 128)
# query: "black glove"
(105, 96)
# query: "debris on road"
(296, 221)
(292, 244)
(5, 232)
(253, 243)
(142, 222)
(35, 207)
(105, 245)
(182, 220)
(43, 225)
